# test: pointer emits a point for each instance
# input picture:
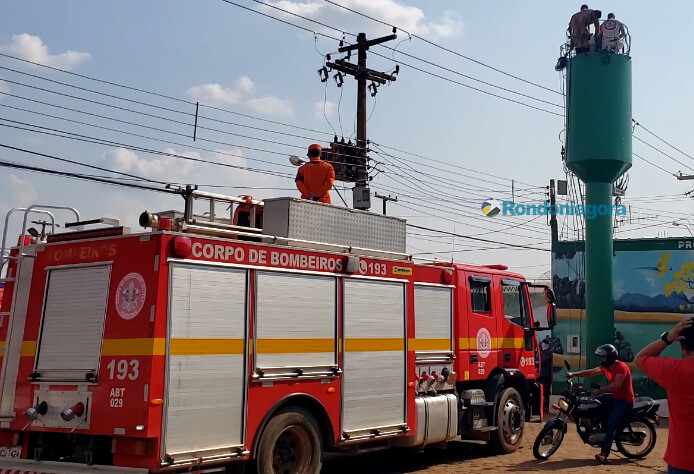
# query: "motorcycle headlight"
(563, 404)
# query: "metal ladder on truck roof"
(213, 223)
(18, 298)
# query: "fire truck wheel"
(510, 421)
(290, 444)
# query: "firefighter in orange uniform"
(316, 177)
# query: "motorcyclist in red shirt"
(617, 397)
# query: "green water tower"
(598, 151)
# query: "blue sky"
(221, 55)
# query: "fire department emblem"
(130, 295)
(484, 342)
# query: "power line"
(456, 183)
(433, 207)
(156, 129)
(457, 73)
(490, 231)
(218, 109)
(434, 160)
(65, 160)
(159, 117)
(378, 54)
(456, 205)
(168, 142)
(453, 81)
(9, 164)
(147, 104)
(663, 140)
(413, 57)
(99, 141)
(653, 164)
(445, 49)
(157, 94)
(663, 153)
(478, 238)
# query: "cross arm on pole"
(367, 44)
(354, 70)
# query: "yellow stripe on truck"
(206, 346)
(134, 347)
(198, 346)
(429, 344)
(374, 344)
(28, 348)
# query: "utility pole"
(553, 217)
(362, 194)
(385, 200)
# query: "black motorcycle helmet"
(608, 354)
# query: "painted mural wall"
(653, 289)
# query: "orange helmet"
(314, 150)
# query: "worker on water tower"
(613, 33)
(316, 177)
(579, 27)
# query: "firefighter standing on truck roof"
(316, 177)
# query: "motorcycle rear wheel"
(637, 439)
(547, 442)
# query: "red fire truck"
(201, 344)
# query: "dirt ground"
(573, 457)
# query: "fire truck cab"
(200, 345)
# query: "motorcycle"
(634, 439)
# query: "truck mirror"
(551, 310)
(551, 315)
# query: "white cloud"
(32, 48)
(241, 93)
(164, 167)
(271, 105)
(216, 94)
(23, 191)
(127, 209)
(329, 109)
(4, 88)
(450, 26)
(409, 18)
(233, 176)
(245, 85)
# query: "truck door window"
(513, 302)
(480, 295)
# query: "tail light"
(33, 413)
(76, 410)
